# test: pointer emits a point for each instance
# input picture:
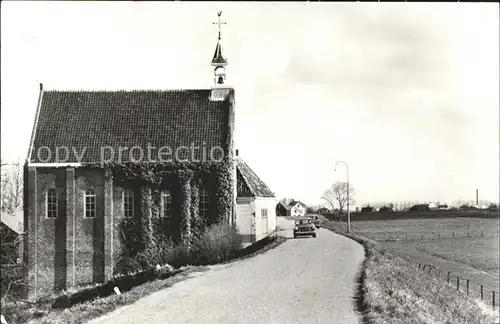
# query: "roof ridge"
(125, 90)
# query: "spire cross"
(219, 22)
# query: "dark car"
(304, 226)
(316, 221)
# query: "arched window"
(128, 203)
(204, 202)
(89, 208)
(166, 203)
(51, 204)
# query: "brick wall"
(74, 250)
(50, 234)
(89, 232)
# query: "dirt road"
(306, 280)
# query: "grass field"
(481, 253)
(467, 247)
(429, 228)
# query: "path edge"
(360, 302)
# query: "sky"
(406, 93)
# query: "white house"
(297, 208)
(255, 204)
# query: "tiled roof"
(88, 121)
(285, 205)
(293, 203)
(248, 183)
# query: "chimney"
(477, 197)
(237, 152)
(219, 94)
(41, 86)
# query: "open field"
(481, 253)
(365, 216)
(434, 228)
(467, 247)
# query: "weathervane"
(219, 13)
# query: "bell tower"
(219, 62)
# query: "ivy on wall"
(184, 180)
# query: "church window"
(166, 203)
(203, 206)
(90, 204)
(51, 203)
(128, 203)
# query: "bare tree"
(406, 204)
(12, 186)
(336, 195)
(12, 279)
(286, 200)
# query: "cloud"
(370, 52)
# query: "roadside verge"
(392, 290)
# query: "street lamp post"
(348, 200)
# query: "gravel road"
(304, 280)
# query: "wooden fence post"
(467, 287)
(458, 283)
(430, 268)
(493, 298)
(448, 278)
(453, 234)
(481, 292)
(419, 265)
(423, 269)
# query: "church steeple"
(219, 61)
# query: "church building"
(104, 164)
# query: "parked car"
(304, 226)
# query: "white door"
(245, 221)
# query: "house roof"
(14, 221)
(285, 205)
(294, 203)
(88, 121)
(248, 183)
